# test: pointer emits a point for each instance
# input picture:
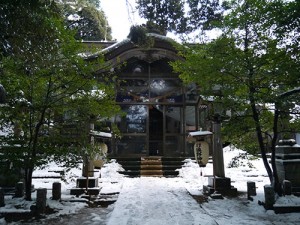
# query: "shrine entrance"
(155, 132)
(159, 110)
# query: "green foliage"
(285, 15)
(87, 20)
(253, 68)
(138, 35)
(239, 161)
(181, 16)
(52, 94)
(168, 15)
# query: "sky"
(120, 17)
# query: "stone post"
(287, 187)
(218, 160)
(19, 191)
(2, 201)
(269, 196)
(251, 188)
(56, 191)
(88, 166)
(41, 199)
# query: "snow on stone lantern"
(288, 163)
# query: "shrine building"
(159, 109)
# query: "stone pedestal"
(269, 196)
(19, 192)
(251, 188)
(288, 163)
(88, 168)
(92, 182)
(41, 200)
(287, 187)
(56, 191)
(81, 187)
(218, 184)
(221, 185)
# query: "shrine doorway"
(155, 132)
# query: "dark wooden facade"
(160, 110)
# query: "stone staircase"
(153, 166)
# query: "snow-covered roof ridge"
(126, 41)
(107, 49)
(161, 37)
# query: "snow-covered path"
(154, 201)
(149, 201)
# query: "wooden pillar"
(218, 160)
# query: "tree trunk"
(260, 136)
(28, 183)
(252, 91)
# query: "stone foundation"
(221, 185)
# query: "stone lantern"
(218, 183)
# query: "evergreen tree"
(182, 16)
(49, 84)
(87, 19)
(253, 70)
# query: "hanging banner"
(201, 151)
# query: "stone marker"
(56, 191)
(287, 187)
(41, 198)
(269, 196)
(19, 191)
(2, 202)
(251, 188)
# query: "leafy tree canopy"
(49, 85)
(182, 16)
(251, 67)
(87, 19)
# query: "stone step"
(151, 166)
(151, 162)
(131, 173)
(172, 173)
(152, 172)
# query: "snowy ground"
(155, 201)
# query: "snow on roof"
(200, 133)
(100, 134)
(125, 41)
